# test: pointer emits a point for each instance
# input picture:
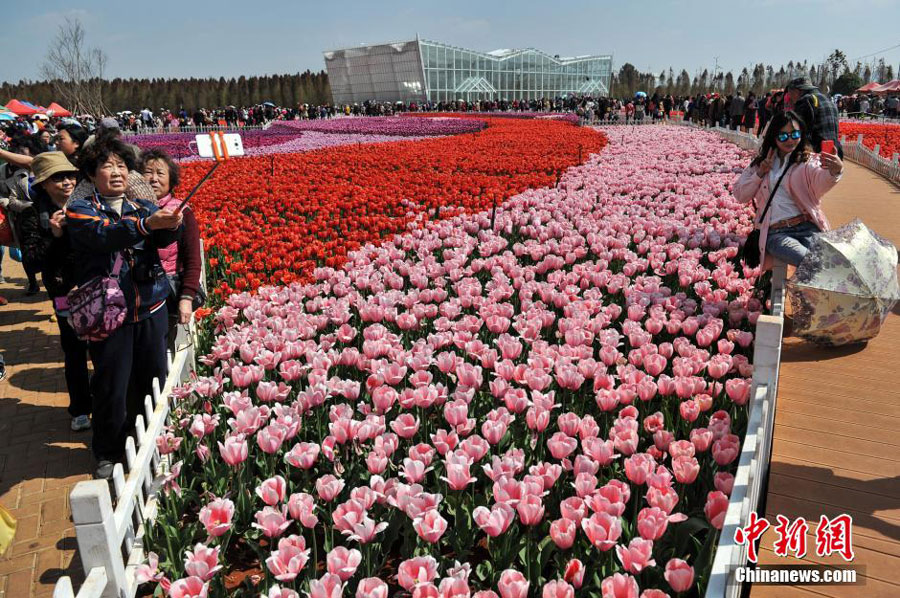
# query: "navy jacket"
(97, 233)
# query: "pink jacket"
(168, 255)
(806, 183)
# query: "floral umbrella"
(845, 286)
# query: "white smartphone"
(233, 144)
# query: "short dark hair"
(76, 132)
(91, 157)
(163, 156)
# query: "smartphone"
(828, 146)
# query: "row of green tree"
(834, 75)
(190, 94)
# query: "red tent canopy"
(889, 87)
(868, 87)
(17, 107)
(55, 109)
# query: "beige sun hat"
(47, 164)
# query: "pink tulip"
(679, 574)
(637, 556)
(303, 455)
(619, 586)
(426, 590)
(530, 510)
(685, 469)
(602, 530)
(430, 526)
(301, 506)
(189, 587)
(562, 532)
(272, 491)
(716, 508)
(216, 516)
(202, 562)
(234, 451)
(371, 587)
(513, 584)
(495, 521)
(290, 558)
(343, 562)
(724, 482)
(329, 487)
(279, 592)
(654, 594)
(574, 573)
(271, 521)
(328, 586)
(558, 589)
(414, 571)
(454, 587)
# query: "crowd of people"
(119, 258)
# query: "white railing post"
(95, 529)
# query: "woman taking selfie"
(789, 218)
(109, 233)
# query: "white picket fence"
(195, 129)
(756, 451)
(872, 159)
(110, 529)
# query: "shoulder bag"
(97, 308)
(750, 253)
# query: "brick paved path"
(41, 459)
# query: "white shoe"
(82, 422)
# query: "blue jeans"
(791, 244)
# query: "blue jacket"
(97, 234)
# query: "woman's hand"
(766, 165)
(832, 163)
(164, 219)
(185, 310)
(57, 222)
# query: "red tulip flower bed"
(886, 136)
(274, 219)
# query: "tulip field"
(886, 136)
(508, 362)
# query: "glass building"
(422, 70)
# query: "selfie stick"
(196, 187)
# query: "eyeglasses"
(62, 176)
(795, 134)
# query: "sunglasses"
(795, 134)
(62, 176)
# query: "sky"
(165, 38)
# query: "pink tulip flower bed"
(549, 402)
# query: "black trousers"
(124, 367)
(78, 383)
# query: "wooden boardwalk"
(837, 427)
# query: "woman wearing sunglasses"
(45, 243)
(800, 179)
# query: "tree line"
(191, 94)
(834, 75)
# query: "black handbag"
(197, 302)
(750, 252)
